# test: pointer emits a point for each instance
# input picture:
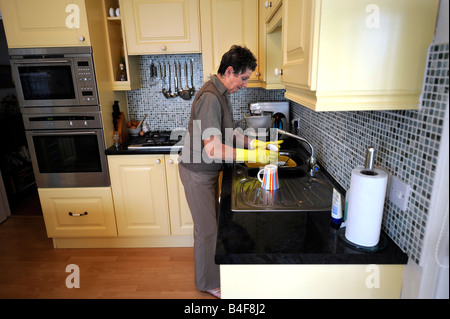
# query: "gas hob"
(159, 140)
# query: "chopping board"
(122, 129)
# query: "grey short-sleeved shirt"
(208, 110)
(211, 115)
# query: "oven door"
(45, 82)
(68, 158)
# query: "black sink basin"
(290, 165)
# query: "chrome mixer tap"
(312, 160)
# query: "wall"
(406, 142)
(167, 114)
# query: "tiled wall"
(406, 142)
(167, 114)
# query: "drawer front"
(78, 212)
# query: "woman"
(209, 142)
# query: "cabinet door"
(45, 23)
(225, 23)
(180, 215)
(140, 194)
(78, 212)
(157, 26)
(299, 43)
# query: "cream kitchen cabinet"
(269, 8)
(45, 23)
(78, 212)
(158, 27)
(225, 23)
(270, 44)
(148, 196)
(356, 54)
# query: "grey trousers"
(202, 196)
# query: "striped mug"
(270, 179)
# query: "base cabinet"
(301, 281)
(144, 207)
(149, 197)
(78, 212)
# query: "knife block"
(122, 129)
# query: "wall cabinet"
(45, 23)
(78, 212)
(270, 46)
(356, 54)
(225, 23)
(117, 48)
(148, 196)
(159, 27)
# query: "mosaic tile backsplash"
(406, 142)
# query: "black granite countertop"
(122, 149)
(288, 238)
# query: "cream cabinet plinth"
(78, 212)
(226, 23)
(356, 54)
(160, 27)
(45, 23)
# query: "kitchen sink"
(290, 165)
(299, 191)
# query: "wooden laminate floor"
(31, 268)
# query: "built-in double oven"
(58, 98)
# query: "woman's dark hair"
(240, 58)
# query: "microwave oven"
(54, 77)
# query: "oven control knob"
(85, 123)
(70, 123)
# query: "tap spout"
(312, 160)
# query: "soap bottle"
(336, 209)
(122, 74)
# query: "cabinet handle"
(170, 161)
(163, 48)
(278, 72)
(81, 38)
(158, 161)
(268, 4)
(77, 215)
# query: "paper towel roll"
(365, 206)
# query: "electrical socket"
(399, 193)
(296, 120)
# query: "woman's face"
(235, 82)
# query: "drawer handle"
(77, 215)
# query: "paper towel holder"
(368, 169)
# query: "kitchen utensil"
(270, 178)
(140, 123)
(178, 69)
(258, 121)
(153, 74)
(192, 89)
(175, 81)
(134, 131)
(164, 90)
(186, 93)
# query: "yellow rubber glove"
(259, 155)
(260, 144)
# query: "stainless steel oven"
(54, 77)
(67, 149)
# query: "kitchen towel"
(365, 206)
